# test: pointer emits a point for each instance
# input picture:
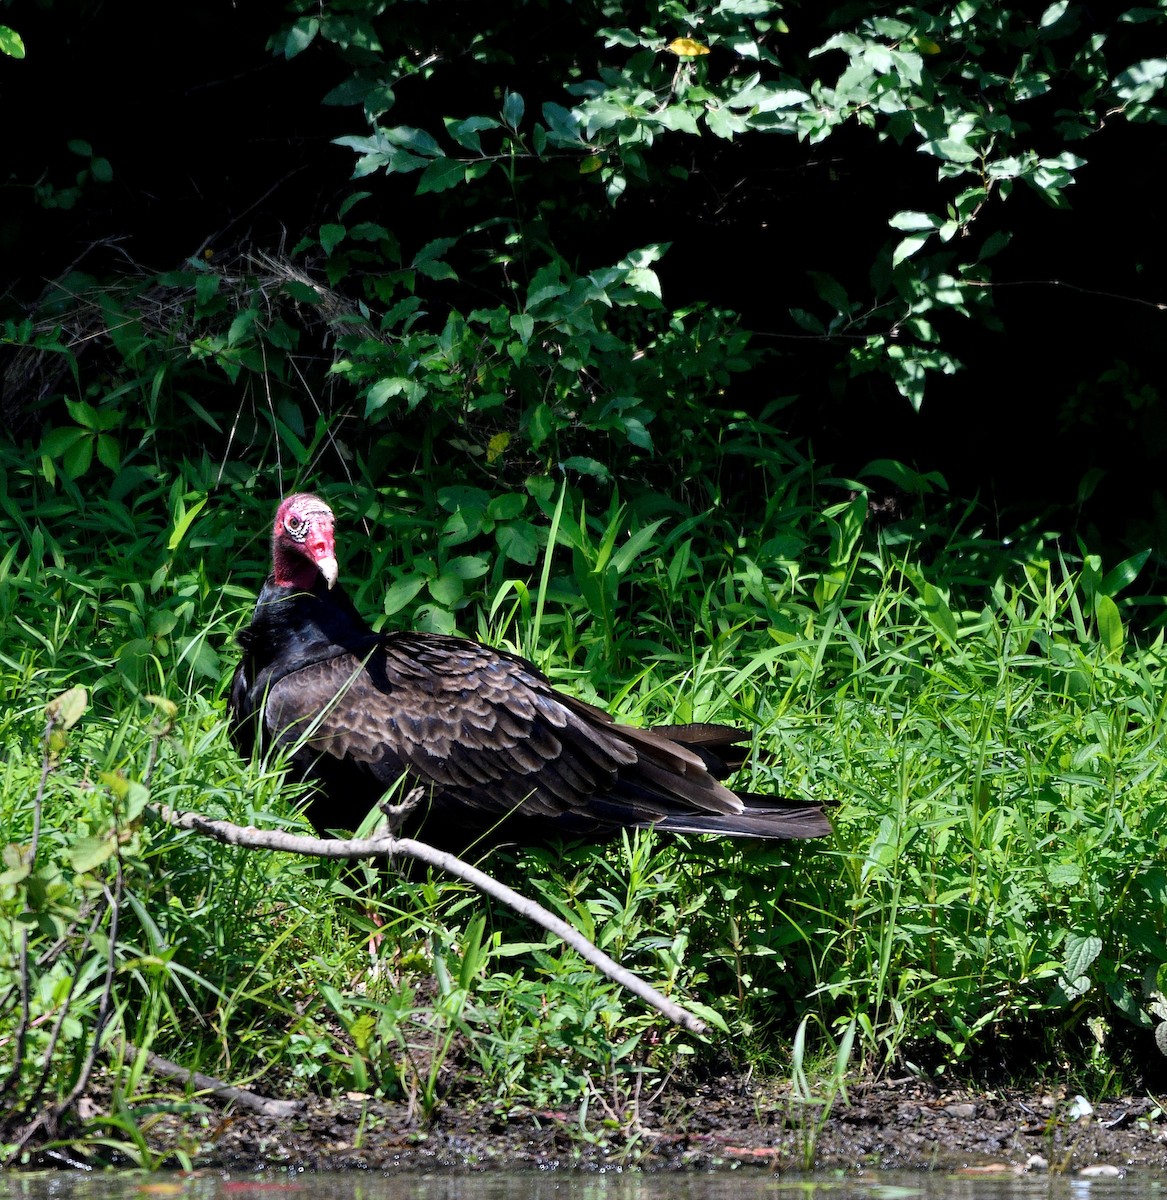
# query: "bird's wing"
(489, 728)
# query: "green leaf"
(1080, 953)
(542, 424)
(84, 414)
(915, 222)
(433, 251)
(587, 466)
(512, 109)
(57, 441)
(468, 566)
(936, 609)
(415, 140)
(1054, 13)
(385, 389)
(109, 452)
(18, 864)
(524, 325)
(11, 43)
(1110, 629)
(301, 292)
(907, 247)
(507, 506)
(466, 132)
(298, 37)
(1124, 574)
(904, 477)
(635, 546)
(519, 540)
(65, 710)
(183, 523)
(241, 326)
(131, 795)
(440, 175)
(331, 236)
(447, 589)
(86, 853)
(402, 592)
(461, 496)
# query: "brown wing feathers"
(483, 731)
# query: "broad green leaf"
(432, 251)
(447, 589)
(86, 853)
(84, 414)
(17, 864)
(524, 325)
(1080, 953)
(109, 452)
(936, 609)
(519, 540)
(541, 425)
(441, 174)
(402, 592)
(468, 566)
(507, 506)
(11, 43)
(57, 441)
(417, 141)
(68, 708)
(299, 36)
(331, 236)
(512, 109)
(907, 247)
(242, 326)
(466, 133)
(460, 496)
(1054, 13)
(1110, 629)
(914, 222)
(1124, 574)
(587, 466)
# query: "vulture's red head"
(302, 542)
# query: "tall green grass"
(987, 728)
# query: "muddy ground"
(724, 1121)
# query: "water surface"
(743, 1184)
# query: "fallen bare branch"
(222, 1091)
(384, 845)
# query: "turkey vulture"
(496, 749)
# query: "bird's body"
(497, 751)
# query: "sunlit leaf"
(86, 853)
(11, 43)
(686, 47)
(68, 708)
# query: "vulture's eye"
(295, 525)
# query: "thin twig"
(48, 1120)
(385, 845)
(59, 1024)
(21, 1033)
(105, 1006)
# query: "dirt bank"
(897, 1123)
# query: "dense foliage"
(526, 356)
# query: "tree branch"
(223, 1091)
(384, 844)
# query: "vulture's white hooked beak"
(329, 569)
